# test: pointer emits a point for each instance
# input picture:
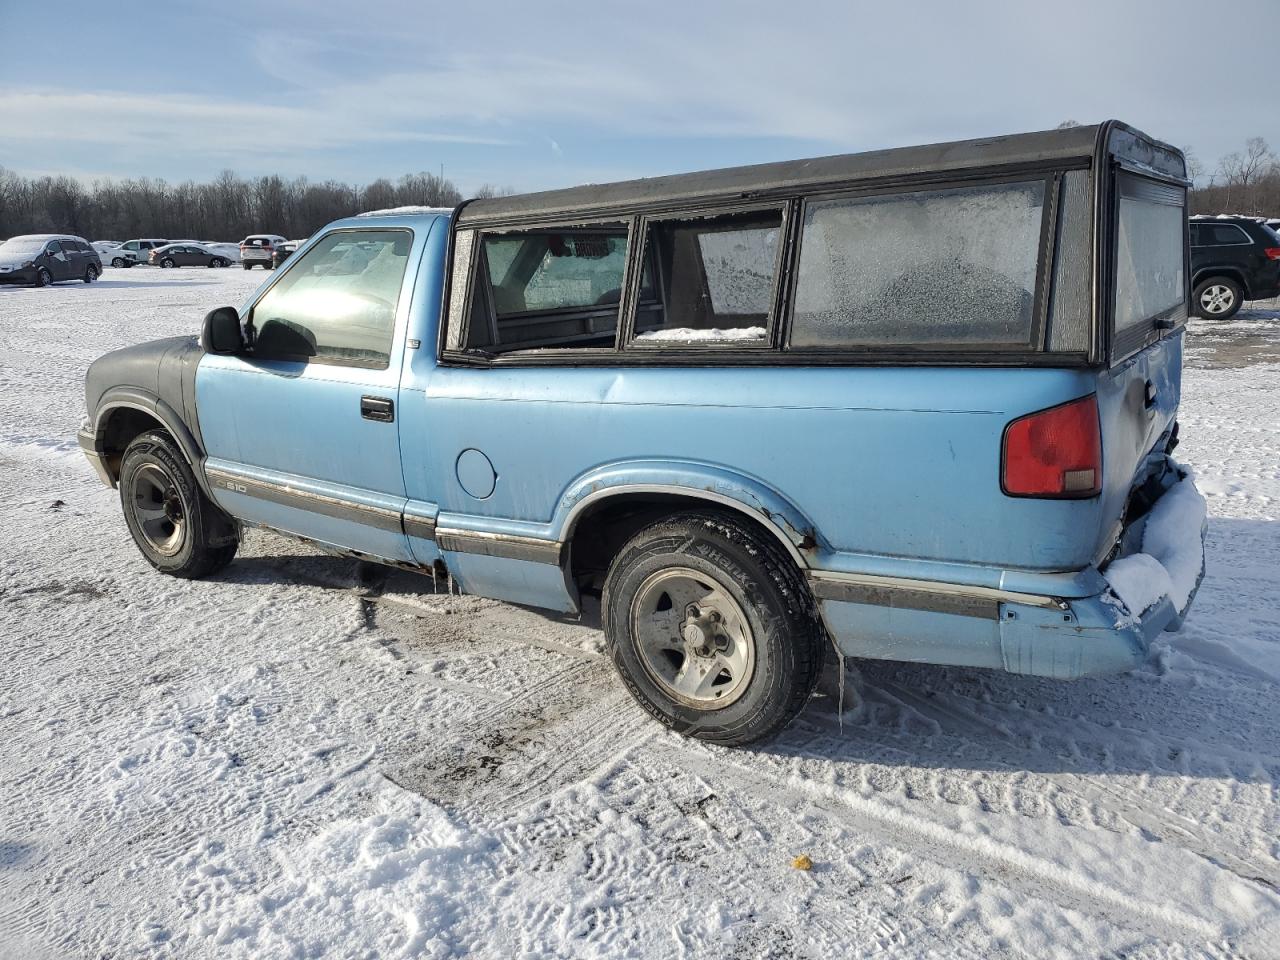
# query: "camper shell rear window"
(1021, 251)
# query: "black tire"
(247, 266)
(90, 273)
(117, 262)
(43, 277)
(217, 262)
(1217, 298)
(167, 263)
(786, 635)
(155, 477)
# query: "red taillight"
(1054, 453)
(1272, 253)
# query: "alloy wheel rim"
(158, 509)
(1218, 298)
(693, 638)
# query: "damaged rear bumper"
(1041, 634)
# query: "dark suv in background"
(1233, 259)
(40, 259)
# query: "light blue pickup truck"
(917, 402)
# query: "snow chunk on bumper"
(1172, 556)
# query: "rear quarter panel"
(899, 462)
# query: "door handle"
(377, 408)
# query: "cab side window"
(338, 303)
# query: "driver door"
(301, 433)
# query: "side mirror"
(221, 333)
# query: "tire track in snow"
(1003, 863)
(1130, 806)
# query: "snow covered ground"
(307, 757)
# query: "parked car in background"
(103, 246)
(134, 251)
(229, 250)
(283, 251)
(40, 259)
(259, 248)
(493, 397)
(186, 254)
(1233, 259)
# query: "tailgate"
(1137, 407)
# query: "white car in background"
(229, 250)
(106, 250)
(259, 248)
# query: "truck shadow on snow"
(1202, 706)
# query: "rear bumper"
(1065, 638)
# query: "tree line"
(228, 207)
(1245, 181)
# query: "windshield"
(21, 248)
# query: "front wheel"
(177, 528)
(712, 628)
(117, 262)
(247, 266)
(217, 262)
(90, 273)
(167, 263)
(43, 277)
(1217, 298)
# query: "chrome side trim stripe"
(954, 598)
(506, 545)
(378, 517)
(415, 526)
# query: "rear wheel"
(167, 263)
(712, 628)
(247, 266)
(177, 528)
(217, 262)
(1217, 298)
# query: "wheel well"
(1228, 272)
(598, 535)
(123, 425)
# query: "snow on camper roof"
(1049, 147)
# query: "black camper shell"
(1086, 170)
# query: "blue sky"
(533, 95)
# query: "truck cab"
(919, 404)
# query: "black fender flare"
(136, 398)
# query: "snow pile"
(688, 334)
(1172, 553)
(393, 884)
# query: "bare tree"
(1246, 182)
